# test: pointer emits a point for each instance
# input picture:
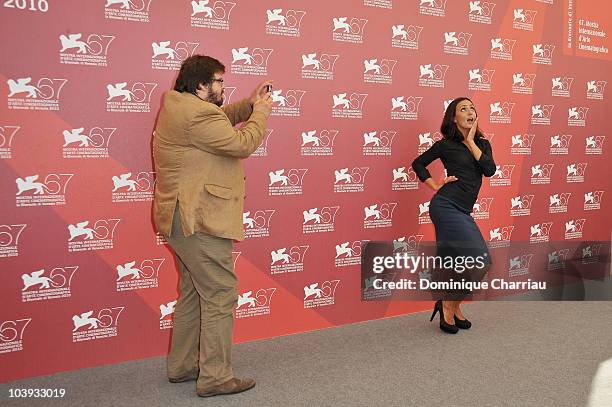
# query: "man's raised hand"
(260, 91)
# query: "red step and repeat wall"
(360, 90)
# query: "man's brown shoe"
(186, 378)
(231, 386)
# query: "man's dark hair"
(196, 70)
(449, 128)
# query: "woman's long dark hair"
(449, 129)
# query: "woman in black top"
(466, 156)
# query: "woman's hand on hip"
(452, 178)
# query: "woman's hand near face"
(471, 144)
(472, 133)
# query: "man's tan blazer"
(197, 155)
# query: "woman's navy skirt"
(457, 236)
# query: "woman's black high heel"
(444, 326)
(462, 323)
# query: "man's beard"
(215, 99)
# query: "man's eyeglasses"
(220, 80)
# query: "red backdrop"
(360, 88)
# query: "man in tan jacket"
(198, 206)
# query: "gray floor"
(517, 354)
